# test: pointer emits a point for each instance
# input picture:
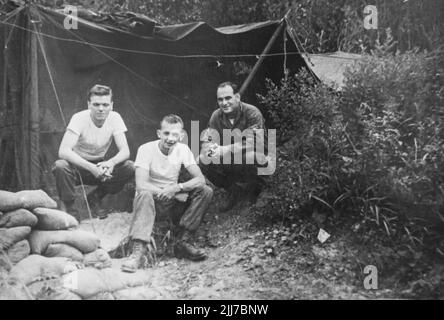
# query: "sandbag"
(39, 290)
(89, 282)
(10, 236)
(9, 201)
(36, 267)
(98, 259)
(18, 218)
(16, 253)
(63, 294)
(52, 219)
(84, 241)
(143, 293)
(102, 296)
(31, 199)
(63, 250)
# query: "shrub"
(310, 133)
(392, 106)
(376, 151)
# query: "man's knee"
(128, 165)
(125, 169)
(144, 195)
(60, 165)
(206, 190)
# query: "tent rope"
(61, 113)
(17, 11)
(12, 13)
(85, 197)
(42, 48)
(296, 40)
(137, 75)
(285, 56)
(192, 56)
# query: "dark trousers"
(67, 177)
(187, 215)
(226, 175)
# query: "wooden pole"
(34, 113)
(29, 168)
(263, 55)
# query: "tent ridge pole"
(262, 57)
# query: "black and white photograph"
(223, 154)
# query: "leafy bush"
(393, 108)
(308, 124)
(378, 150)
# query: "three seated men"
(158, 163)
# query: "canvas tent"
(330, 67)
(47, 69)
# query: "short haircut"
(171, 119)
(229, 84)
(100, 90)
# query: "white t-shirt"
(163, 169)
(94, 142)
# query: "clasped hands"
(103, 170)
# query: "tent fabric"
(330, 67)
(48, 69)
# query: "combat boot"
(184, 249)
(137, 258)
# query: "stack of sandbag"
(16, 221)
(69, 281)
(56, 235)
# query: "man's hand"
(220, 151)
(97, 172)
(168, 192)
(106, 168)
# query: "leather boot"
(137, 258)
(184, 249)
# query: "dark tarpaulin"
(149, 75)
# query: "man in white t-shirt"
(83, 148)
(158, 164)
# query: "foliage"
(393, 106)
(306, 116)
(377, 152)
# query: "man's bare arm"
(122, 155)
(196, 181)
(65, 152)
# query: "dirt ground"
(249, 258)
(247, 261)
